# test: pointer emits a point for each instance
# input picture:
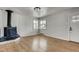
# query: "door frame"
(69, 24)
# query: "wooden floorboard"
(52, 45)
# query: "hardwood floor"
(40, 43)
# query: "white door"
(74, 28)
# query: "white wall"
(57, 24)
(24, 23)
(1, 25)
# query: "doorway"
(74, 28)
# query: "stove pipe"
(9, 17)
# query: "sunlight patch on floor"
(39, 44)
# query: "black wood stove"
(10, 33)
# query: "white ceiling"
(28, 10)
(56, 9)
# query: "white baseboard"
(57, 37)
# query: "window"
(75, 18)
(35, 22)
(40, 25)
(43, 24)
